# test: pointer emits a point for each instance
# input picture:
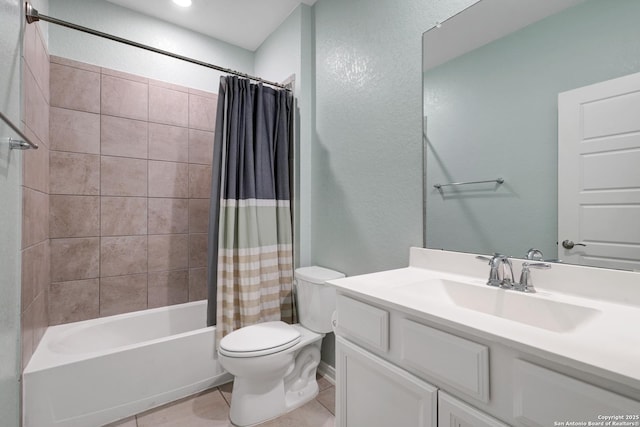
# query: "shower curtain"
(250, 260)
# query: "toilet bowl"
(273, 363)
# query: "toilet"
(273, 363)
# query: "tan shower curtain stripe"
(250, 258)
(254, 284)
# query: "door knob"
(568, 244)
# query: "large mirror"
(540, 102)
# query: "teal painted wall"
(367, 155)
(366, 162)
(493, 112)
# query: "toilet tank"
(316, 300)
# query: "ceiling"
(244, 23)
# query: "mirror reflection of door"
(599, 162)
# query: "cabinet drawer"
(452, 360)
(363, 323)
(542, 397)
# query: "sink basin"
(511, 305)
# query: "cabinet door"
(374, 393)
(455, 413)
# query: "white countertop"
(606, 344)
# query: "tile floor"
(210, 408)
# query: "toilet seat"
(259, 340)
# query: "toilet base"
(250, 409)
(256, 400)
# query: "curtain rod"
(32, 15)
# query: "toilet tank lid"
(318, 275)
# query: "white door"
(599, 174)
(371, 392)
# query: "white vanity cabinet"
(374, 393)
(394, 368)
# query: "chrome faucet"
(501, 273)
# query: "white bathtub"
(97, 371)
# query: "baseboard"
(327, 371)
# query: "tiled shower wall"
(35, 191)
(130, 171)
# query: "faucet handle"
(495, 278)
(491, 259)
(540, 265)
(526, 283)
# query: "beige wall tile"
(168, 288)
(76, 64)
(168, 143)
(168, 179)
(73, 301)
(73, 173)
(123, 176)
(35, 170)
(123, 137)
(42, 66)
(124, 98)
(35, 271)
(167, 85)
(204, 93)
(168, 252)
(199, 181)
(198, 250)
(35, 217)
(201, 146)
(123, 255)
(74, 216)
(27, 335)
(168, 216)
(40, 316)
(36, 57)
(124, 75)
(123, 216)
(29, 45)
(202, 112)
(199, 215)
(168, 106)
(75, 259)
(36, 107)
(75, 88)
(76, 131)
(197, 284)
(135, 156)
(122, 294)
